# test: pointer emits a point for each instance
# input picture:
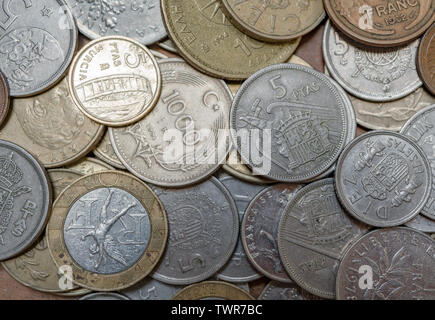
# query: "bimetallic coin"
(104, 296)
(51, 127)
(38, 41)
(186, 137)
(373, 74)
(426, 59)
(4, 98)
(208, 41)
(421, 223)
(150, 289)
(169, 45)
(204, 228)
(313, 235)
(104, 151)
(383, 178)
(110, 228)
(401, 261)
(115, 81)
(90, 165)
(213, 290)
(276, 290)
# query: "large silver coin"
(25, 199)
(150, 289)
(383, 178)
(37, 44)
(203, 228)
(374, 74)
(239, 268)
(313, 235)
(104, 296)
(140, 20)
(421, 223)
(289, 130)
(184, 138)
(276, 290)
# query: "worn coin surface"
(74, 293)
(104, 296)
(115, 81)
(37, 43)
(169, 45)
(380, 22)
(212, 290)
(313, 235)
(259, 230)
(186, 137)
(203, 227)
(62, 178)
(401, 261)
(276, 290)
(4, 98)
(274, 21)
(383, 178)
(90, 165)
(51, 127)
(104, 151)
(297, 128)
(426, 59)
(421, 223)
(150, 289)
(373, 74)
(206, 39)
(110, 228)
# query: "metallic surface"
(104, 151)
(4, 98)
(426, 59)
(150, 289)
(213, 290)
(90, 165)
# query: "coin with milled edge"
(110, 228)
(4, 99)
(421, 223)
(401, 261)
(150, 289)
(209, 290)
(104, 151)
(426, 59)
(203, 227)
(90, 165)
(37, 40)
(276, 290)
(104, 296)
(383, 178)
(115, 81)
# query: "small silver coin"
(150, 289)
(169, 45)
(276, 290)
(104, 296)
(421, 223)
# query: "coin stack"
(231, 166)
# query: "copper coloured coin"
(4, 98)
(426, 59)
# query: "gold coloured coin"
(90, 165)
(212, 289)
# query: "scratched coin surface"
(301, 126)
(373, 74)
(104, 151)
(383, 178)
(37, 43)
(421, 223)
(110, 228)
(150, 289)
(402, 262)
(203, 227)
(51, 127)
(206, 39)
(185, 138)
(380, 22)
(115, 81)
(210, 290)
(4, 98)
(313, 235)
(259, 230)
(276, 290)
(90, 165)
(104, 296)
(426, 59)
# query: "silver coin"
(374, 74)
(313, 235)
(104, 296)
(383, 178)
(203, 231)
(421, 223)
(169, 45)
(239, 268)
(421, 128)
(150, 289)
(37, 43)
(276, 290)
(298, 127)
(25, 199)
(191, 116)
(140, 20)
(158, 54)
(259, 230)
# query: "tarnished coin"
(239, 268)
(373, 74)
(276, 290)
(150, 289)
(115, 81)
(274, 21)
(74, 293)
(401, 262)
(4, 98)
(259, 230)
(207, 40)
(90, 165)
(297, 128)
(380, 22)
(169, 45)
(51, 127)
(25, 199)
(110, 228)
(37, 43)
(421, 223)
(313, 235)
(104, 296)
(426, 59)
(383, 178)
(104, 151)
(213, 290)
(139, 20)
(203, 227)
(185, 138)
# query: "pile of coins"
(139, 176)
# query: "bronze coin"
(4, 98)
(426, 59)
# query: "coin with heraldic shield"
(4, 99)
(110, 228)
(426, 59)
(213, 290)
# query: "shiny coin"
(4, 98)
(90, 165)
(51, 127)
(313, 234)
(104, 151)
(206, 39)
(204, 228)
(150, 289)
(209, 290)
(104, 296)
(401, 261)
(185, 138)
(426, 59)
(276, 290)
(383, 178)
(421, 223)
(169, 45)
(110, 228)
(37, 40)
(115, 81)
